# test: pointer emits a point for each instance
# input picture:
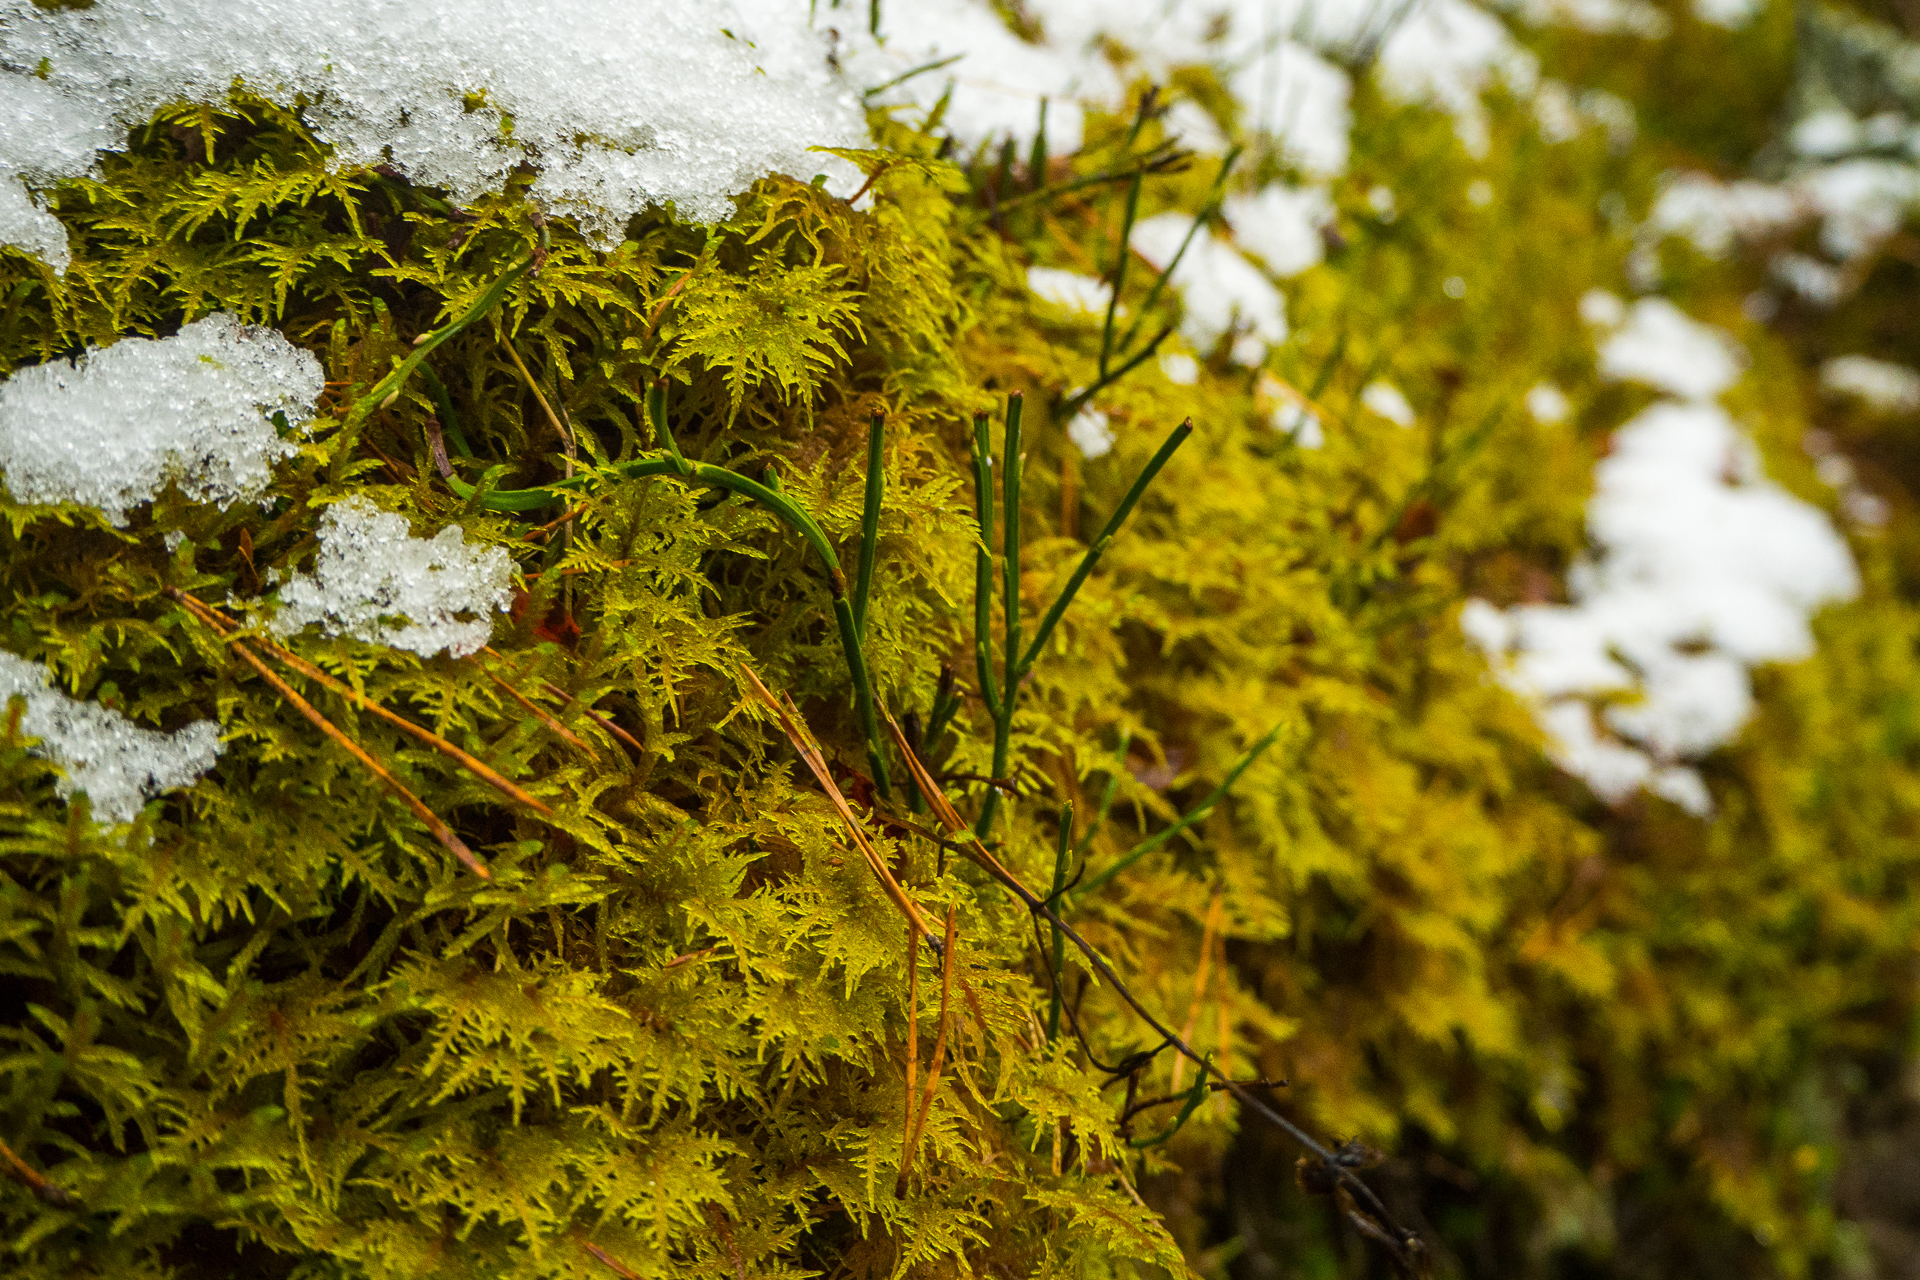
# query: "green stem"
(1119, 271)
(1199, 814)
(1010, 605)
(1106, 798)
(1206, 210)
(1073, 404)
(983, 566)
(1099, 547)
(390, 385)
(869, 523)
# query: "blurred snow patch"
(118, 764)
(1655, 342)
(1223, 292)
(375, 582)
(1387, 400)
(1282, 226)
(1548, 404)
(1091, 433)
(111, 429)
(1069, 289)
(1881, 385)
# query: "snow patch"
(115, 427)
(1224, 293)
(375, 582)
(118, 764)
(1881, 385)
(618, 107)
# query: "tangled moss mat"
(278, 1026)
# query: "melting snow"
(112, 429)
(118, 764)
(375, 582)
(1069, 289)
(1224, 293)
(618, 106)
(1703, 568)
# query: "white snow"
(1181, 369)
(375, 582)
(1548, 404)
(1224, 293)
(1656, 343)
(618, 106)
(1091, 433)
(1702, 568)
(1389, 402)
(1069, 289)
(114, 428)
(118, 764)
(1282, 225)
(1881, 385)
(1714, 214)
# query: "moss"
(275, 1028)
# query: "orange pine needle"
(919, 1115)
(913, 1053)
(790, 722)
(474, 766)
(441, 831)
(540, 713)
(1207, 933)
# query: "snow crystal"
(618, 107)
(1282, 225)
(1881, 385)
(1386, 400)
(1658, 344)
(113, 428)
(119, 765)
(1069, 289)
(1091, 433)
(375, 582)
(1224, 293)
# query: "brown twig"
(918, 1117)
(36, 1182)
(441, 831)
(541, 713)
(610, 1262)
(790, 721)
(477, 767)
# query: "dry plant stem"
(441, 831)
(610, 1262)
(913, 1055)
(1404, 1245)
(468, 762)
(43, 1191)
(791, 724)
(1207, 932)
(611, 728)
(917, 1116)
(539, 712)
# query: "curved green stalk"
(1199, 814)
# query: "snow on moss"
(374, 581)
(1703, 568)
(119, 765)
(113, 428)
(1069, 289)
(618, 106)
(1881, 385)
(1224, 293)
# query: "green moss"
(274, 1028)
